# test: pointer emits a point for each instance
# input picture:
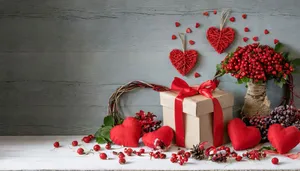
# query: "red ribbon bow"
(206, 90)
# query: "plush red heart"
(165, 134)
(128, 133)
(185, 61)
(283, 139)
(220, 39)
(243, 137)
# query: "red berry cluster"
(88, 139)
(254, 155)
(219, 154)
(147, 121)
(181, 157)
(130, 152)
(257, 62)
(121, 156)
(157, 155)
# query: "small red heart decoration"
(185, 61)
(165, 134)
(220, 39)
(243, 137)
(283, 139)
(127, 134)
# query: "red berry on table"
(188, 30)
(80, 151)
(215, 12)
(121, 155)
(96, 147)
(173, 159)
(108, 146)
(103, 156)
(191, 42)
(233, 154)
(197, 25)
(196, 75)
(238, 158)
(246, 29)
(245, 39)
(232, 19)
(244, 16)
(56, 144)
(205, 13)
(255, 38)
(181, 162)
(266, 31)
(86, 139)
(174, 37)
(122, 161)
(177, 24)
(142, 150)
(74, 143)
(91, 137)
(138, 153)
(275, 160)
(187, 154)
(276, 41)
(162, 156)
(129, 150)
(156, 156)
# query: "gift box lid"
(197, 105)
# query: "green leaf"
(267, 148)
(296, 62)
(109, 120)
(98, 133)
(218, 67)
(286, 55)
(245, 79)
(105, 132)
(101, 140)
(239, 81)
(278, 46)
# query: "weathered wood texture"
(61, 59)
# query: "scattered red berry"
(103, 156)
(232, 19)
(246, 29)
(276, 41)
(181, 162)
(215, 12)
(188, 30)
(56, 144)
(80, 151)
(86, 139)
(121, 155)
(205, 13)
(108, 146)
(91, 137)
(255, 38)
(196, 75)
(180, 152)
(238, 158)
(244, 16)
(177, 24)
(275, 160)
(96, 147)
(74, 143)
(173, 159)
(142, 150)
(197, 25)
(245, 39)
(174, 37)
(191, 42)
(129, 150)
(122, 160)
(266, 31)
(162, 156)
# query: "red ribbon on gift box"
(206, 90)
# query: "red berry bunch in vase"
(148, 122)
(255, 64)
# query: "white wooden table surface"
(37, 153)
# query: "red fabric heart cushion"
(243, 137)
(127, 134)
(283, 139)
(165, 134)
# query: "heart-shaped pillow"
(283, 139)
(164, 134)
(220, 39)
(185, 61)
(128, 133)
(243, 137)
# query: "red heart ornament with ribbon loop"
(243, 137)
(184, 61)
(127, 134)
(221, 39)
(164, 134)
(283, 139)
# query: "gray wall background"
(61, 59)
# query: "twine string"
(224, 15)
(182, 38)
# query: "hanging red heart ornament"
(184, 61)
(221, 38)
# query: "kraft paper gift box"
(198, 115)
